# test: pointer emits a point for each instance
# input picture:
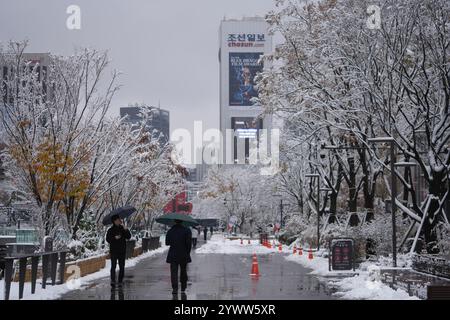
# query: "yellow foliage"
(55, 175)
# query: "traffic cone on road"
(295, 249)
(280, 247)
(255, 268)
(300, 251)
(310, 254)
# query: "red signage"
(179, 205)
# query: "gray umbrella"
(122, 212)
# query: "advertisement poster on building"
(246, 127)
(244, 66)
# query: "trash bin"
(154, 243)
(3, 253)
(130, 248)
(145, 244)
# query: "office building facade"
(158, 121)
(242, 43)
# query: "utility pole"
(318, 213)
(394, 206)
(391, 142)
(316, 175)
(281, 213)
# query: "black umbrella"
(122, 212)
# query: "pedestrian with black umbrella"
(179, 238)
(117, 236)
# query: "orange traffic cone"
(255, 268)
(310, 254)
(295, 249)
(300, 251)
(280, 247)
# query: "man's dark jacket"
(179, 239)
(117, 246)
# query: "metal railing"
(27, 236)
(49, 269)
(7, 231)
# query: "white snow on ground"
(54, 292)
(362, 285)
(219, 244)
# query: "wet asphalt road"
(212, 277)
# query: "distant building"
(197, 174)
(158, 122)
(39, 61)
(194, 182)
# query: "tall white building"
(242, 42)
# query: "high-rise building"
(242, 43)
(197, 174)
(37, 62)
(158, 121)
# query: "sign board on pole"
(341, 255)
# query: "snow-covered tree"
(63, 151)
(337, 82)
(241, 191)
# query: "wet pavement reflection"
(212, 277)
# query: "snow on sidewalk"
(54, 292)
(361, 286)
(220, 245)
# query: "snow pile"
(364, 288)
(55, 292)
(218, 244)
(318, 264)
(363, 284)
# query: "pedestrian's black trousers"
(174, 275)
(194, 242)
(114, 259)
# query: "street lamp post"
(281, 213)
(316, 175)
(391, 141)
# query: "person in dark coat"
(117, 236)
(179, 238)
(194, 233)
(205, 233)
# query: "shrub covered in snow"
(89, 240)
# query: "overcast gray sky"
(167, 49)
